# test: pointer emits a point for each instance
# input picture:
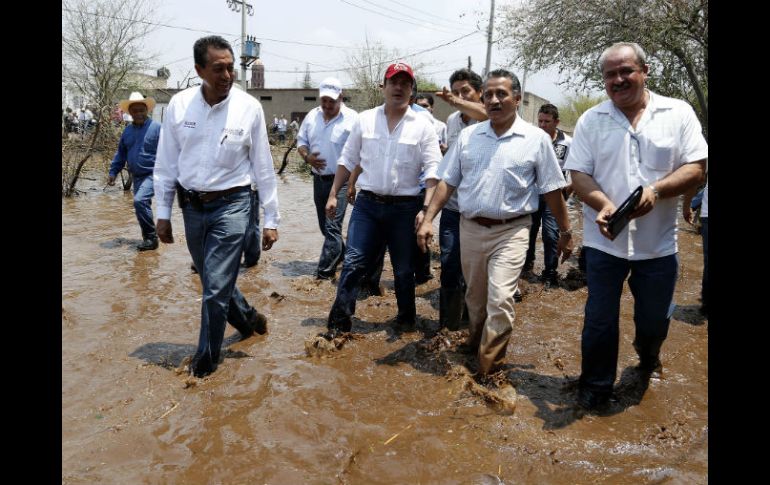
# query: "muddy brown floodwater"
(387, 408)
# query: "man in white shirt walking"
(321, 137)
(636, 138)
(393, 145)
(499, 168)
(213, 145)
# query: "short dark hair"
(201, 48)
(515, 84)
(466, 74)
(425, 96)
(549, 109)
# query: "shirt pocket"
(408, 161)
(660, 155)
(339, 137)
(370, 148)
(231, 150)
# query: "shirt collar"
(517, 128)
(221, 103)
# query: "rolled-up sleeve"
(351, 152)
(263, 171)
(302, 134)
(166, 171)
(580, 157)
(431, 153)
(549, 176)
(450, 165)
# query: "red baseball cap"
(394, 69)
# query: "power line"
(391, 17)
(454, 26)
(415, 9)
(207, 31)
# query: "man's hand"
(163, 228)
(331, 206)
(269, 237)
(351, 194)
(418, 220)
(564, 246)
(317, 163)
(110, 180)
(602, 217)
(424, 235)
(645, 205)
(446, 95)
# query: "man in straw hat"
(138, 146)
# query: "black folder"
(619, 219)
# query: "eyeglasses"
(624, 72)
(636, 149)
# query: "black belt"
(487, 222)
(389, 199)
(196, 198)
(325, 177)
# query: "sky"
(321, 34)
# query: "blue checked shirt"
(501, 177)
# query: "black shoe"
(258, 323)
(517, 296)
(148, 244)
(422, 279)
(248, 264)
(550, 282)
(201, 367)
(319, 275)
(193, 268)
(590, 400)
(651, 367)
(367, 290)
(528, 267)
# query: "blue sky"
(334, 27)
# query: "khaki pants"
(492, 258)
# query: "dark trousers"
(652, 283)
(333, 248)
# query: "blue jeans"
(215, 241)
(372, 225)
(704, 231)
(252, 242)
(550, 238)
(143, 193)
(449, 242)
(333, 249)
(652, 284)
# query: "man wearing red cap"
(392, 145)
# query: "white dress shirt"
(327, 138)
(621, 158)
(391, 162)
(209, 148)
(502, 177)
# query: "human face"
(330, 107)
(218, 75)
(138, 112)
(398, 90)
(501, 102)
(546, 123)
(624, 79)
(464, 90)
(425, 104)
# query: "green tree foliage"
(576, 105)
(571, 34)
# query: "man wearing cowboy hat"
(138, 146)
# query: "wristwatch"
(568, 232)
(655, 191)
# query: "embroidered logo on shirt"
(189, 124)
(233, 131)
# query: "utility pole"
(241, 6)
(469, 63)
(489, 37)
